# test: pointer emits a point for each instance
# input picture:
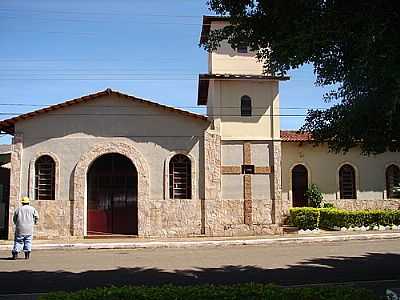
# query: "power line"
(128, 106)
(133, 79)
(154, 115)
(107, 14)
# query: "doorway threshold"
(110, 236)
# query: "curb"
(212, 243)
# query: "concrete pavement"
(205, 242)
(372, 264)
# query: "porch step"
(110, 236)
(289, 229)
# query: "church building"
(111, 164)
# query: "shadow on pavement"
(371, 267)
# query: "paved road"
(377, 262)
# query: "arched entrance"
(299, 185)
(112, 193)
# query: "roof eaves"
(8, 124)
(206, 27)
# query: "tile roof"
(295, 136)
(205, 29)
(8, 124)
(204, 79)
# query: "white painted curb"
(211, 243)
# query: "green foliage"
(305, 217)
(312, 218)
(355, 49)
(214, 292)
(330, 218)
(328, 205)
(314, 196)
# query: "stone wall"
(15, 180)
(54, 219)
(351, 204)
(278, 207)
(171, 218)
(226, 218)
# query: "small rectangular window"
(247, 169)
(242, 49)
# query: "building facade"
(113, 164)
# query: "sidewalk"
(198, 242)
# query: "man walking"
(24, 218)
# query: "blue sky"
(51, 51)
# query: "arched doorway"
(112, 185)
(4, 201)
(299, 185)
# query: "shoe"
(27, 254)
(14, 255)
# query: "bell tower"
(242, 101)
(243, 107)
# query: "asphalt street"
(371, 264)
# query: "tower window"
(245, 106)
(242, 48)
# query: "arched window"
(45, 170)
(347, 182)
(245, 106)
(180, 177)
(393, 181)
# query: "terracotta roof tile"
(295, 136)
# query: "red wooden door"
(112, 196)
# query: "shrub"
(305, 217)
(314, 196)
(328, 205)
(214, 292)
(311, 218)
(331, 217)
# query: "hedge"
(345, 218)
(214, 292)
(311, 218)
(305, 217)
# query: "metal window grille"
(347, 181)
(393, 181)
(245, 106)
(180, 177)
(45, 178)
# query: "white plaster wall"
(232, 184)
(226, 60)
(260, 154)
(70, 132)
(323, 170)
(226, 100)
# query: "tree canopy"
(353, 45)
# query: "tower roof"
(204, 80)
(206, 27)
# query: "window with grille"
(347, 182)
(393, 181)
(45, 169)
(245, 106)
(180, 177)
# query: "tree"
(353, 45)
